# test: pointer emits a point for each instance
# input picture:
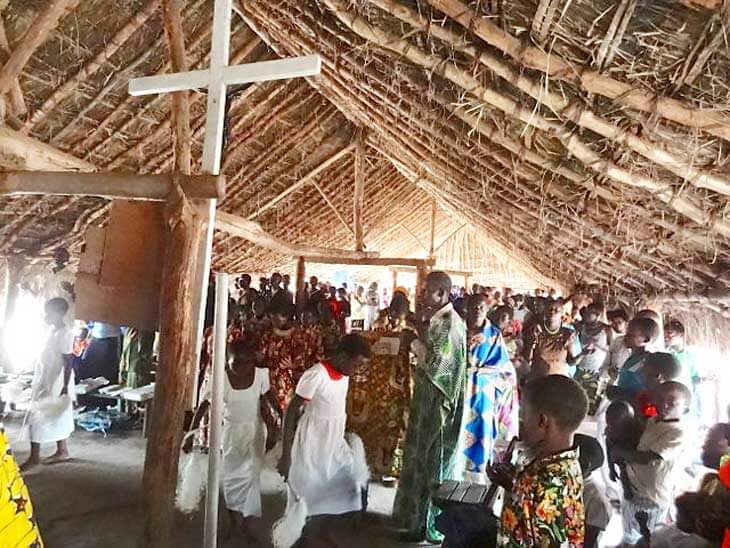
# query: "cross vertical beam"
(219, 54)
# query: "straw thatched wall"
(586, 140)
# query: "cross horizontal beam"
(278, 69)
(129, 186)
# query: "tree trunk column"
(177, 342)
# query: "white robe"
(244, 439)
(51, 415)
(324, 467)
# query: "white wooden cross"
(218, 77)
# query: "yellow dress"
(18, 528)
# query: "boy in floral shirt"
(544, 502)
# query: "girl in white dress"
(323, 469)
(51, 412)
(249, 430)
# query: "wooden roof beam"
(17, 101)
(557, 102)
(180, 108)
(590, 81)
(37, 33)
(18, 151)
(109, 185)
(254, 232)
(92, 66)
(377, 261)
(303, 180)
(359, 189)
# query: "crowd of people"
(435, 392)
(439, 389)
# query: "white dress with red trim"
(324, 467)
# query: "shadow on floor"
(96, 500)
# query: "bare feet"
(29, 464)
(58, 457)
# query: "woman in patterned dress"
(379, 397)
(287, 350)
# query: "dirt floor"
(95, 500)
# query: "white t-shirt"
(657, 480)
(597, 508)
(617, 354)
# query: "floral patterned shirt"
(303, 346)
(545, 507)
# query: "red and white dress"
(323, 465)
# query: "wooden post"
(466, 283)
(432, 247)
(359, 194)
(394, 272)
(420, 279)
(300, 297)
(38, 32)
(176, 344)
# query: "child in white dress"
(323, 469)
(249, 430)
(51, 413)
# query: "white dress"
(51, 417)
(244, 439)
(323, 465)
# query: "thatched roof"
(587, 140)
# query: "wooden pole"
(180, 111)
(254, 232)
(420, 279)
(37, 33)
(176, 343)
(303, 181)
(394, 272)
(216, 410)
(301, 298)
(16, 93)
(128, 186)
(359, 194)
(432, 247)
